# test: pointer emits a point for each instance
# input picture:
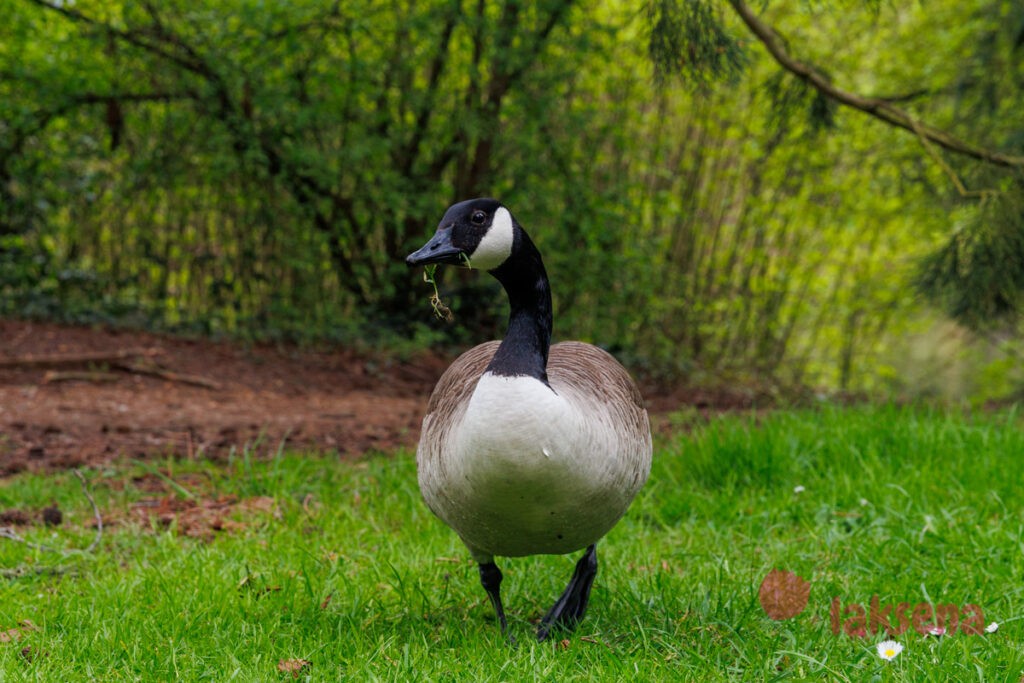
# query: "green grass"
(911, 505)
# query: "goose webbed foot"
(569, 609)
(490, 579)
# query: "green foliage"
(264, 167)
(688, 38)
(260, 170)
(793, 98)
(349, 571)
(978, 275)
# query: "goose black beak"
(438, 250)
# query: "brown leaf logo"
(783, 595)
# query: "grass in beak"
(440, 309)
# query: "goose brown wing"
(448, 403)
(596, 372)
(458, 381)
(604, 392)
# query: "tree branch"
(947, 169)
(410, 151)
(878, 108)
(539, 41)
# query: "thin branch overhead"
(879, 108)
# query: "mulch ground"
(260, 398)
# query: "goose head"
(482, 234)
(476, 233)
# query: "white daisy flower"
(889, 649)
(992, 628)
(936, 631)
(798, 489)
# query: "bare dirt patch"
(264, 396)
(254, 397)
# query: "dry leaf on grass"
(197, 518)
(32, 655)
(13, 635)
(249, 583)
(293, 666)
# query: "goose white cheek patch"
(496, 245)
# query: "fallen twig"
(170, 376)
(78, 375)
(123, 359)
(589, 639)
(18, 572)
(95, 511)
(12, 535)
(74, 359)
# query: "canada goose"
(527, 448)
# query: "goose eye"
(478, 218)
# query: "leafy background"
(258, 170)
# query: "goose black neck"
(524, 350)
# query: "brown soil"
(265, 397)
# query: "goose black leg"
(490, 579)
(569, 609)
